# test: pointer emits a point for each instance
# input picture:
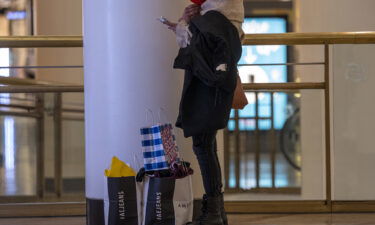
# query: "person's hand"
(190, 12)
(171, 26)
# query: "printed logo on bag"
(121, 205)
(184, 205)
(158, 206)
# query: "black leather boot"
(211, 212)
(222, 210)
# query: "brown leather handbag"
(239, 98)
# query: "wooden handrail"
(23, 81)
(282, 86)
(40, 41)
(367, 37)
(310, 38)
(41, 89)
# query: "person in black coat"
(210, 50)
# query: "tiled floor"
(253, 219)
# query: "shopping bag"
(153, 149)
(123, 195)
(119, 169)
(169, 143)
(167, 201)
(159, 145)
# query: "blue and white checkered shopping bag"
(153, 150)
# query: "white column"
(128, 69)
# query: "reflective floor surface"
(17, 156)
(253, 219)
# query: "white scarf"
(232, 9)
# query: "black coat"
(207, 94)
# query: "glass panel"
(72, 137)
(354, 123)
(307, 54)
(281, 74)
(257, 56)
(17, 132)
(18, 146)
(73, 145)
(15, 20)
(276, 129)
(279, 145)
(262, 54)
(18, 150)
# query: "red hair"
(198, 2)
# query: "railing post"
(273, 143)
(57, 116)
(40, 146)
(237, 148)
(227, 155)
(327, 101)
(257, 142)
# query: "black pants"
(205, 149)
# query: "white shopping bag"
(167, 201)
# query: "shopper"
(209, 34)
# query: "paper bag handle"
(162, 111)
(147, 112)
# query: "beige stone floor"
(253, 219)
(302, 219)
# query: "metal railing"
(324, 39)
(41, 42)
(35, 107)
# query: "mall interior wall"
(352, 85)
